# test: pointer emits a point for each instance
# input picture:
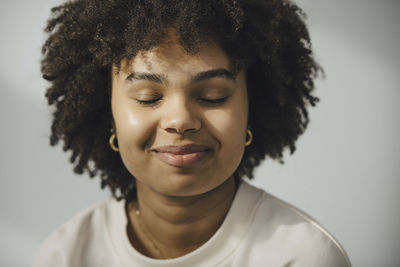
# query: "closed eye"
(148, 102)
(214, 101)
(155, 101)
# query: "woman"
(171, 103)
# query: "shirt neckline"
(218, 248)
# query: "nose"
(180, 117)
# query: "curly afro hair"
(266, 38)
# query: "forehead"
(170, 55)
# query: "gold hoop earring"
(248, 142)
(112, 145)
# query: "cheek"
(230, 122)
(134, 127)
(226, 124)
(134, 132)
(229, 128)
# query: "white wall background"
(345, 172)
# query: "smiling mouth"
(180, 156)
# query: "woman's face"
(180, 119)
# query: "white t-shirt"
(259, 230)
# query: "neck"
(169, 227)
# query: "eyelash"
(208, 101)
(148, 102)
(214, 101)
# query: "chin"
(188, 185)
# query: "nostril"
(178, 131)
(180, 120)
(171, 130)
(189, 130)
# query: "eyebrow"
(201, 76)
(216, 73)
(152, 77)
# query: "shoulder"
(289, 232)
(66, 244)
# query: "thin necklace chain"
(147, 235)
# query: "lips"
(180, 156)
